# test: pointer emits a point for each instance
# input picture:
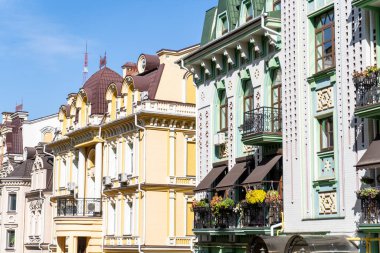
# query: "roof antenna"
(85, 65)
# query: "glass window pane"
(319, 38)
(11, 239)
(275, 96)
(12, 202)
(327, 48)
(328, 61)
(319, 64)
(327, 34)
(223, 118)
(324, 19)
(319, 52)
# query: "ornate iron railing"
(370, 213)
(262, 120)
(261, 215)
(79, 207)
(367, 89)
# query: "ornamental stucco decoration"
(229, 85)
(203, 96)
(325, 99)
(327, 203)
(256, 73)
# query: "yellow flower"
(255, 196)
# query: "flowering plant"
(200, 203)
(218, 203)
(368, 193)
(255, 196)
(367, 72)
(272, 197)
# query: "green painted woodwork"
(233, 231)
(262, 139)
(208, 33)
(244, 74)
(369, 228)
(367, 4)
(369, 111)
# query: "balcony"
(111, 241)
(368, 96)
(240, 218)
(262, 126)
(79, 207)
(370, 214)
(166, 107)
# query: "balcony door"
(276, 100)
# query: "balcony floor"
(368, 111)
(233, 231)
(261, 139)
(369, 228)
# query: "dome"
(96, 87)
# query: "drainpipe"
(139, 182)
(183, 66)
(263, 15)
(43, 221)
(277, 225)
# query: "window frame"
(8, 246)
(326, 127)
(221, 107)
(249, 97)
(330, 25)
(11, 194)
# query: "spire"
(85, 65)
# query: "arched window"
(111, 97)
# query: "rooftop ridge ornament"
(103, 61)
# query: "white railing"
(166, 107)
(181, 241)
(182, 180)
(121, 241)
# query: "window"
(277, 5)
(248, 11)
(326, 133)
(276, 89)
(222, 110)
(11, 236)
(248, 96)
(12, 200)
(224, 25)
(324, 41)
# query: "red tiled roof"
(96, 86)
(149, 81)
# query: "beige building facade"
(125, 160)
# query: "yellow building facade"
(125, 160)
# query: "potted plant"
(368, 193)
(367, 180)
(255, 196)
(272, 197)
(200, 205)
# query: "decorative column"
(172, 213)
(81, 172)
(98, 169)
(172, 154)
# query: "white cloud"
(25, 33)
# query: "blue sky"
(42, 42)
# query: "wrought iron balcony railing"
(370, 210)
(262, 120)
(367, 89)
(260, 215)
(79, 207)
